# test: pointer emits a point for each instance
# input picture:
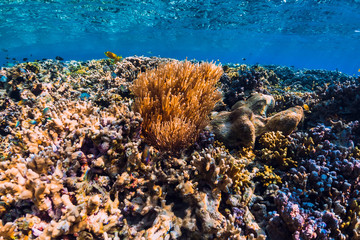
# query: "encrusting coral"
(174, 101)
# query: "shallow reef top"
(75, 164)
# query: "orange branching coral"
(174, 101)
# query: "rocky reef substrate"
(74, 164)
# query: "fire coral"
(174, 101)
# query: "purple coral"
(322, 185)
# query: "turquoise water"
(306, 34)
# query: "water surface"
(310, 34)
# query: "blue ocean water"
(316, 34)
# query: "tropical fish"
(45, 110)
(22, 102)
(3, 78)
(33, 122)
(146, 154)
(113, 56)
(306, 107)
(84, 95)
(359, 70)
(86, 175)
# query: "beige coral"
(7, 231)
(247, 120)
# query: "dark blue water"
(312, 34)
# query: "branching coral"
(221, 169)
(352, 223)
(174, 101)
(274, 149)
(267, 176)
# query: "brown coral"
(174, 101)
(247, 120)
(275, 150)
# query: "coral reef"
(239, 82)
(313, 200)
(75, 163)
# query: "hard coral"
(242, 81)
(266, 176)
(353, 223)
(74, 166)
(174, 101)
(275, 149)
(324, 185)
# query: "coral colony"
(155, 148)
